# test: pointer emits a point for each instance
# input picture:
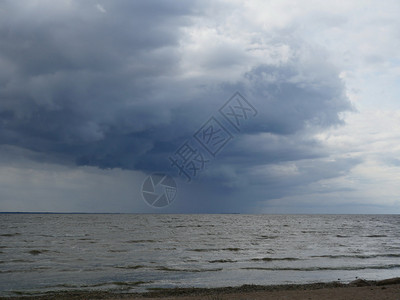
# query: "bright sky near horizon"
(97, 95)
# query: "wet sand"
(359, 289)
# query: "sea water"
(133, 253)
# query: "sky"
(95, 96)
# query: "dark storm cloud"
(276, 155)
(105, 87)
(79, 80)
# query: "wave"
(376, 235)
(204, 249)
(359, 256)
(272, 259)
(131, 267)
(10, 234)
(269, 237)
(127, 283)
(231, 249)
(222, 261)
(163, 268)
(140, 241)
(117, 283)
(35, 269)
(22, 261)
(215, 249)
(168, 269)
(37, 252)
(343, 268)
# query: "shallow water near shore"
(132, 253)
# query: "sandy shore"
(359, 289)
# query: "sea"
(139, 252)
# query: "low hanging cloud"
(123, 84)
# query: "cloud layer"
(121, 85)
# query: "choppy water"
(40, 252)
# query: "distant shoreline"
(358, 289)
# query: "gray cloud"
(108, 89)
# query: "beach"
(359, 289)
